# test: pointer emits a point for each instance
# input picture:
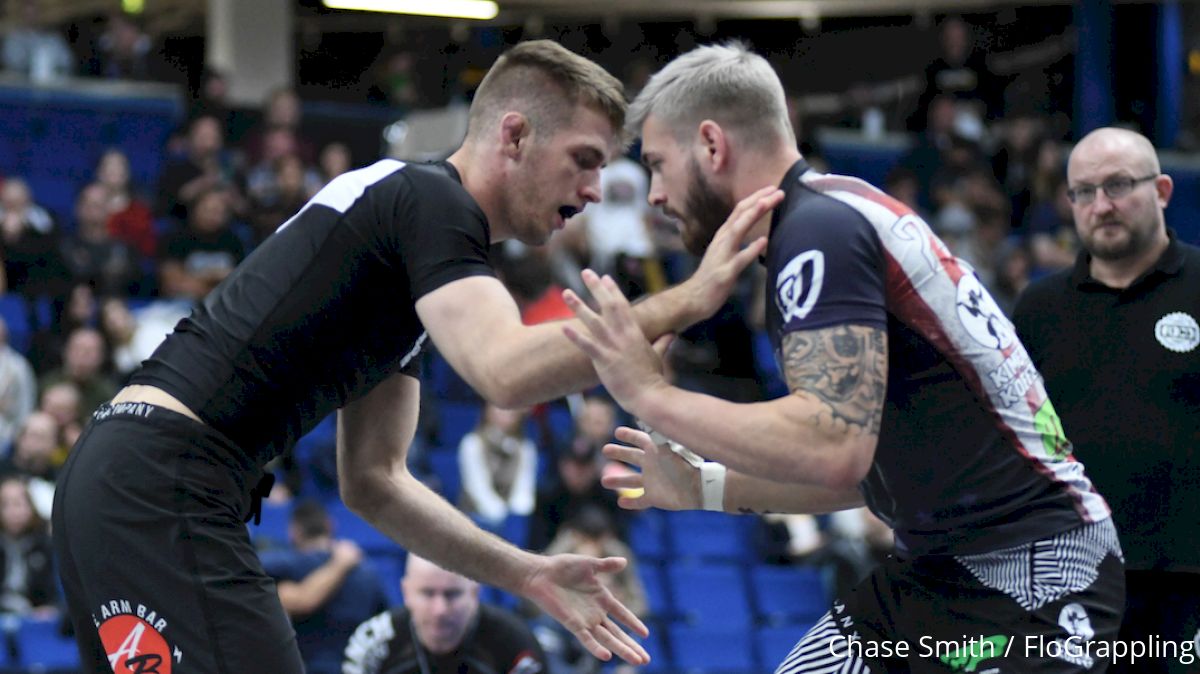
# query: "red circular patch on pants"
(134, 647)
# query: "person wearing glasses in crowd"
(1116, 339)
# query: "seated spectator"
(18, 388)
(84, 360)
(78, 308)
(131, 337)
(442, 629)
(92, 256)
(281, 111)
(324, 586)
(499, 468)
(28, 244)
(123, 51)
(195, 258)
(577, 485)
(1051, 232)
(32, 458)
(130, 218)
(62, 401)
(334, 161)
(30, 585)
(203, 167)
(283, 188)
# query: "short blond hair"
(726, 83)
(545, 82)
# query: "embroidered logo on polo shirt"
(1177, 332)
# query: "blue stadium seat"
(41, 647)
(444, 463)
(15, 312)
(657, 597)
(711, 650)
(390, 567)
(456, 419)
(348, 525)
(710, 595)
(446, 384)
(789, 594)
(697, 534)
(647, 535)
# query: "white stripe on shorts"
(1037, 573)
(816, 653)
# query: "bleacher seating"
(41, 647)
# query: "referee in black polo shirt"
(1118, 343)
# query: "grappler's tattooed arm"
(844, 370)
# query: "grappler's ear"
(713, 142)
(514, 133)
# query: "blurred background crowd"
(132, 182)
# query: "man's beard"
(1136, 241)
(708, 209)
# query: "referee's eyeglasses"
(1114, 188)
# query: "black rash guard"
(324, 309)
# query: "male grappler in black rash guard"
(329, 314)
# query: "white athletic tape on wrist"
(712, 474)
(712, 486)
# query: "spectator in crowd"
(84, 361)
(77, 309)
(132, 337)
(194, 259)
(28, 243)
(92, 256)
(498, 462)
(961, 72)
(29, 585)
(577, 484)
(130, 218)
(334, 161)
(123, 50)
(442, 628)
(284, 187)
(203, 167)
(32, 48)
(1051, 233)
(616, 227)
(324, 585)
(18, 388)
(62, 401)
(32, 458)
(281, 112)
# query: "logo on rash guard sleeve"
(798, 285)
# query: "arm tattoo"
(844, 367)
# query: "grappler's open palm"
(569, 589)
(625, 362)
(667, 481)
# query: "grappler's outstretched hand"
(725, 257)
(569, 589)
(625, 362)
(667, 481)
